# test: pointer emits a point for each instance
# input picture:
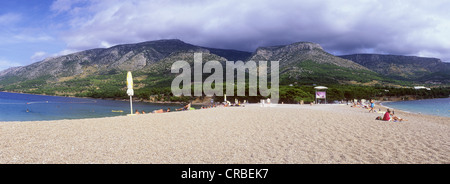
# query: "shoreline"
(406, 111)
(383, 108)
(193, 103)
(113, 99)
(380, 103)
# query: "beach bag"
(379, 118)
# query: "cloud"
(341, 27)
(9, 18)
(5, 64)
(38, 56)
(65, 52)
(32, 38)
(62, 6)
(41, 55)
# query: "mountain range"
(300, 63)
(409, 68)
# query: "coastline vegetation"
(157, 89)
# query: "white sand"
(252, 134)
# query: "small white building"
(419, 87)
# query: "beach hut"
(320, 93)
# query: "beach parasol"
(130, 90)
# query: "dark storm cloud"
(341, 27)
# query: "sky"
(32, 30)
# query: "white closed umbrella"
(130, 90)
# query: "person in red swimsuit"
(387, 115)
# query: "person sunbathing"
(158, 111)
(387, 117)
(186, 107)
(395, 119)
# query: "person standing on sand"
(372, 106)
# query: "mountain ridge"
(100, 69)
(412, 68)
(123, 57)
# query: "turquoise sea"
(27, 107)
(438, 107)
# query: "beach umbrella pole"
(131, 104)
(130, 90)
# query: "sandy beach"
(324, 134)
